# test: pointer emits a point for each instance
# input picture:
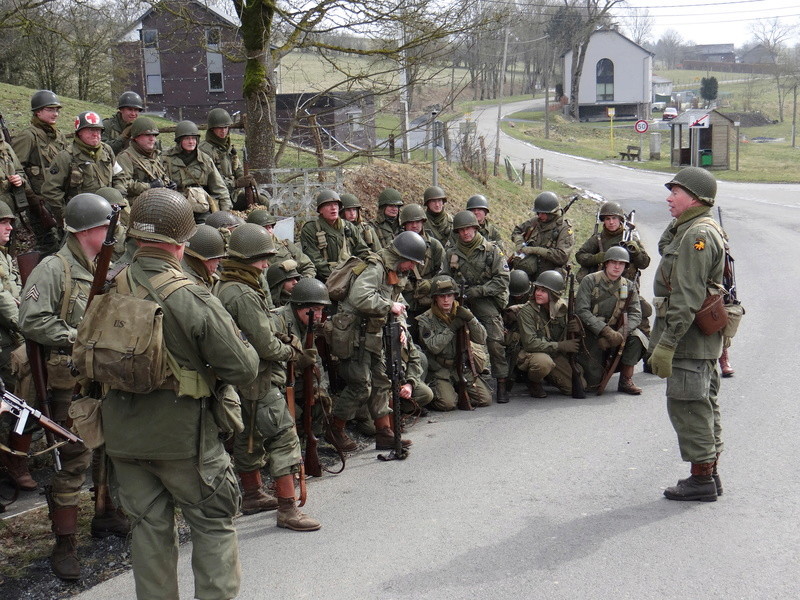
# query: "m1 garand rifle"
(311, 460)
(292, 408)
(621, 325)
(465, 360)
(578, 390)
(728, 273)
(250, 191)
(519, 255)
(396, 374)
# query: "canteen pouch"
(226, 408)
(345, 332)
(21, 369)
(59, 372)
(87, 420)
(735, 313)
(712, 316)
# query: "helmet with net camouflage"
(478, 201)
(207, 243)
(412, 212)
(546, 202)
(161, 215)
(410, 245)
(261, 216)
(85, 211)
(43, 99)
(698, 182)
(519, 282)
(310, 291)
(550, 280)
(219, 117)
(250, 242)
(464, 218)
(113, 195)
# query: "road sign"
(701, 123)
(611, 111)
(641, 126)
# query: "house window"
(605, 80)
(216, 79)
(152, 62)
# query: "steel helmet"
(85, 211)
(612, 209)
(261, 216)
(478, 201)
(698, 182)
(390, 197)
(325, 196)
(617, 253)
(280, 272)
(349, 201)
(519, 282)
(412, 212)
(250, 242)
(441, 285)
(410, 245)
(434, 193)
(43, 99)
(310, 291)
(224, 218)
(465, 218)
(130, 100)
(161, 215)
(219, 117)
(88, 120)
(143, 126)
(551, 280)
(546, 202)
(6, 212)
(113, 195)
(186, 129)
(206, 244)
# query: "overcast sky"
(714, 21)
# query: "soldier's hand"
(661, 360)
(475, 291)
(424, 287)
(612, 337)
(126, 133)
(307, 358)
(406, 390)
(245, 181)
(574, 326)
(465, 314)
(569, 346)
(456, 324)
(171, 185)
(598, 258)
(156, 183)
(529, 250)
(15, 180)
(398, 308)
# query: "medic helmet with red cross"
(88, 120)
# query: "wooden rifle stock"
(465, 360)
(578, 390)
(22, 411)
(394, 368)
(621, 324)
(291, 406)
(313, 466)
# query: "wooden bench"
(633, 152)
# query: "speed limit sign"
(641, 126)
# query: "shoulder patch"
(33, 293)
(699, 243)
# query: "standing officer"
(53, 303)
(692, 263)
(329, 239)
(116, 129)
(36, 146)
(439, 223)
(175, 459)
(270, 433)
(480, 265)
(478, 205)
(87, 165)
(386, 224)
(544, 242)
(218, 145)
(351, 211)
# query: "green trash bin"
(706, 158)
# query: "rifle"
(465, 361)
(572, 201)
(395, 373)
(728, 273)
(18, 192)
(578, 390)
(250, 191)
(26, 263)
(9, 403)
(312, 463)
(621, 324)
(292, 407)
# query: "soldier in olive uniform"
(545, 242)
(480, 265)
(281, 279)
(478, 205)
(417, 294)
(12, 176)
(270, 434)
(116, 129)
(519, 292)
(87, 165)
(386, 224)
(176, 460)
(53, 303)
(438, 328)
(692, 263)
(284, 249)
(543, 330)
(329, 239)
(36, 146)
(439, 223)
(601, 299)
(358, 338)
(351, 211)
(195, 174)
(202, 254)
(140, 163)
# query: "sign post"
(611, 112)
(641, 126)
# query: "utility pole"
(496, 170)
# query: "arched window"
(605, 80)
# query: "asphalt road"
(561, 498)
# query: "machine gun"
(621, 325)
(396, 374)
(578, 390)
(9, 403)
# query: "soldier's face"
(679, 200)
(612, 223)
(302, 313)
(289, 284)
(467, 234)
(49, 114)
(351, 214)
(614, 269)
(90, 136)
(129, 114)
(147, 141)
(91, 240)
(391, 211)
(544, 217)
(211, 265)
(189, 143)
(405, 266)
(220, 132)
(480, 214)
(6, 227)
(445, 302)
(541, 296)
(329, 211)
(436, 205)
(415, 226)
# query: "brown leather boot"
(64, 558)
(715, 477)
(112, 521)
(725, 365)
(626, 384)
(699, 486)
(384, 435)
(502, 391)
(336, 436)
(17, 466)
(535, 389)
(289, 516)
(255, 499)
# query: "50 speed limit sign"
(641, 126)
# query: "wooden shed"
(701, 138)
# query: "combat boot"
(725, 365)
(255, 499)
(626, 384)
(535, 389)
(289, 516)
(502, 391)
(714, 476)
(699, 486)
(335, 435)
(17, 466)
(384, 435)
(64, 558)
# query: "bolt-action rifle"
(620, 324)
(396, 374)
(292, 408)
(578, 390)
(728, 273)
(312, 463)
(465, 360)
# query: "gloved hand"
(424, 288)
(569, 346)
(661, 360)
(574, 326)
(171, 185)
(534, 250)
(156, 183)
(291, 340)
(245, 181)
(475, 291)
(609, 338)
(307, 358)
(598, 258)
(465, 314)
(126, 133)
(234, 152)
(456, 324)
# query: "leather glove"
(474, 292)
(291, 340)
(569, 346)
(307, 358)
(612, 338)
(465, 314)
(456, 324)
(661, 360)
(245, 181)
(424, 288)
(234, 152)
(156, 183)
(574, 326)
(598, 258)
(172, 185)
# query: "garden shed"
(701, 138)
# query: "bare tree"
(773, 35)
(669, 48)
(640, 25)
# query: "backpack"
(343, 275)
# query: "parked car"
(669, 113)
